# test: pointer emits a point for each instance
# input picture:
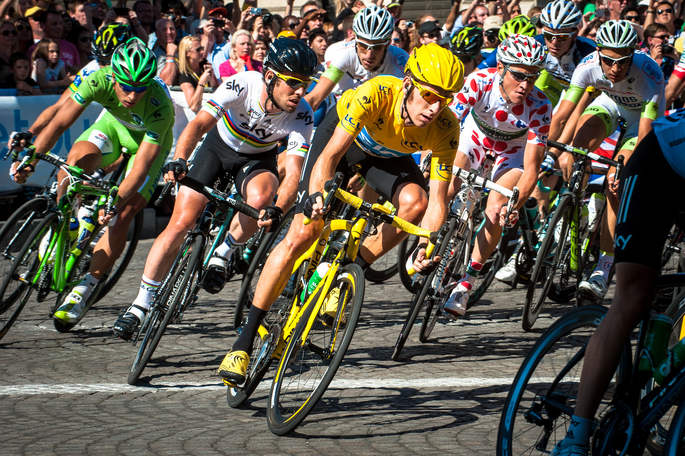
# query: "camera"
(256, 11)
(267, 19)
(667, 48)
(218, 23)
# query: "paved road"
(66, 394)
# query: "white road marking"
(371, 383)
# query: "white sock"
(606, 261)
(226, 246)
(146, 294)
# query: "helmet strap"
(405, 111)
(270, 93)
(501, 85)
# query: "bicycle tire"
(384, 267)
(675, 442)
(254, 270)
(14, 233)
(405, 249)
(24, 265)
(124, 259)
(282, 417)
(543, 271)
(172, 297)
(486, 277)
(554, 362)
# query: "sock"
(146, 295)
(362, 262)
(254, 319)
(86, 286)
(472, 270)
(578, 432)
(226, 246)
(606, 261)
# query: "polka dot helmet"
(521, 50)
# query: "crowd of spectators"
(44, 43)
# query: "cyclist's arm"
(46, 115)
(436, 212)
(191, 134)
(564, 112)
(287, 191)
(65, 117)
(142, 160)
(323, 88)
(325, 165)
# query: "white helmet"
(373, 23)
(616, 35)
(561, 14)
(521, 50)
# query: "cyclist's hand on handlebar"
(21, 175)
(312, 206)
(510, 221)
(19, 140)
(175, 170)
(270, 217)
(547, 165)
(566, 165)
(420, 263)
(613, 181)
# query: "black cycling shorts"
(383, 175)
(213, 163)
(651, 199)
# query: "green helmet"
(133, 63)
(520, 25)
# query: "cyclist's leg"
(638, 246)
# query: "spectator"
(261, 45)
(24, 36)
(394, 7)
(312, 15)
(8, 38)
(658, 47)
(262, 25)
(661, 12)
(54, 30)
(48, 68)
(165, 50)
(515, 10)
(195, 73)
(429, 32)
(319, 43)
(291, 23)
(240, 60)
(81, 14)
(217, 49)
(631, 14)
(491, 28)
(400, 39)
(83, 39)
(21, 75)
(143, 10)
(346, 6)
(477, 13)
(36, 17)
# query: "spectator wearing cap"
(429, 32)
(394, 7)
(491, 28)
(36, 17)
(166, 50)
(213, 40)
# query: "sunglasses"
(293, 82)
(9, 32)
(662, 37)
(199, 49)
(608, 61)
(371, 47)
(520, 76)
(396, 40)
(560, 37)
(293, 24)
(665, 11)
(431, 96)
(127, 88)
(491, 33)
(633, 18)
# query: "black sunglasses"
(664, 11)
(9, 32)
(632, 18)
(520, 76)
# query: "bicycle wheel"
(124, 259)
(549, 260)
(168, 303)
(14, 234)
(541, 400)
(406, 247)
(249, 282)
(313, 354)
(14, 288)
(675, 443)
(383, 268)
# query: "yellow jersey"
(372, 112)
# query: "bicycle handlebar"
(586, 153)
(474, 179)
(220, 197)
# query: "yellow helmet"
(436, 66)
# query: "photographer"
(195, 73)
(217, 49)
(263, 25)
(657, 45)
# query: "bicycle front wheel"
(406, 247)
(551, 258)
(542, 398)
(14, 286)
(313, 354)
(169, 302)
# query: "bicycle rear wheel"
(383, 268)
(169, 302)
(313, 355)
(549, 262)
(14, 285)
(541, 400)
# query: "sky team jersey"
(670, 132)
(153, 114)
(641, 90)
(496, 117)
(345, 69)
(373, 113)
(244, 125)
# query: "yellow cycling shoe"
(234, 367)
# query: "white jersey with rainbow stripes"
(244, 125)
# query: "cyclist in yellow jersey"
(375, 129)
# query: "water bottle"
(318, 274)
(675, 358)
(656, 342)
(532, 211)
(73, 228)
(595, 206)
(86, 227)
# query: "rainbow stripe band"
(239, 134)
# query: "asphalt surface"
(66, 394)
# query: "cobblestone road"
(66, 394)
